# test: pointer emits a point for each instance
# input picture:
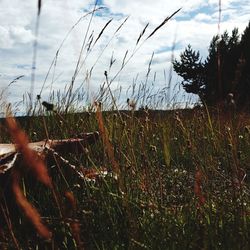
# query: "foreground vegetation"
(154, 180)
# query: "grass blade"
(100, 34)
(122, 24)
(30, 212)
(124, 58)
(142, 33)
(166, 146)
(163, 23)
(149, 65)
(39, 6)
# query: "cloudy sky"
(194, 24)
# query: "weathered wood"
(9, 154)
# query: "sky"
(196, 23)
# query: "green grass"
(154, 203)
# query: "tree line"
(224, 75)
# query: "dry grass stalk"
(39, 6)
(163, 23)
(142, 33)
(30, 212)
(198, 189)
(108, 147)
(71, 199)
(75, 228)
(74, 224)
(100, 34)
(31, 158)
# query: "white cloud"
(202, 17)
(5, 40)
(152, 11)
(20, 34)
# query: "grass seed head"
(48, 106)
(30, 157)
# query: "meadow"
(153, 179)
(163, 180)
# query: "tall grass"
(179, 185)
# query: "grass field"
(154, 180)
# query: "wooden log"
(9, 154)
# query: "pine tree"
(226, 70)
(190, 69)
(243, 71)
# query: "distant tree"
(226, 70)
(220, 67)
(243, 70)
